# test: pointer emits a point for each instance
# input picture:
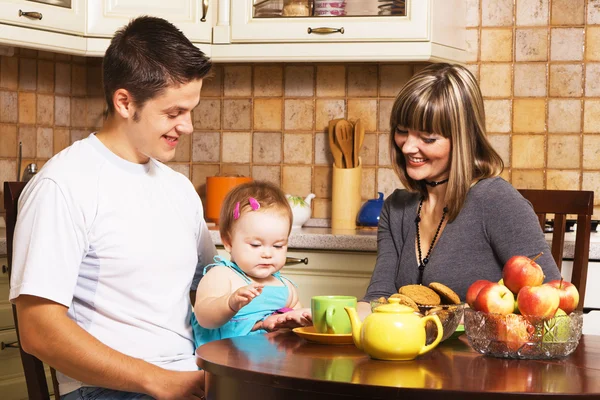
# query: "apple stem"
(561, 283)
(538, 256)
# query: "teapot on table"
(393, 332)
(300, 209)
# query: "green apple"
(558, 328)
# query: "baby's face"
(259, 242)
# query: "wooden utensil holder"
(345, 200)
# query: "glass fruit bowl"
(523, 337)
(450, 316)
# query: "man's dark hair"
(148, 55)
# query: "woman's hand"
(244, 295)
(289, 320)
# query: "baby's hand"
(244, 295)
(290, 320)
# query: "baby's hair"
(268, 196)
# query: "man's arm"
(48, 333)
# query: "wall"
(537, 62)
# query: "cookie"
(421, 294)
(405, 300)
(447, 295)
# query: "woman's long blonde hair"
(445, 99)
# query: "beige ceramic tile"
(564, 151)
(496, 80)
(78, 134)
(497, 12)
(78, 80)
(505, 174)
(94, 81)
(8, 107)
(593, 12)
(472, 13)
(387, 181)
(367, 187)
(531, 44)
(366, 110)
(566, 44)
(299, 115)
(27, 108)
(212, 85)
(235, 169)
(472, 45)
(392, 78)
(236, 147)
(321, 208)
(474, 69)
(267, 114)
(45, 109)
(237, 81)
(591, 181)
(297, 148)
(78, 112)
(591, 151)
(44, 143)
(331, 80)
(266, 148)
(501, 144)
(62, 111)
(497, 115)
(27, 135)
(8, 141)
(368, 152)
(385, 111)
(328, 109)
(183, 169)
(45, 76)
(62, 78)
(592, 45)
(268, 80)
(591, 116)
(183, 151)
(592, 79)
(61, 140)
(95, 112)
(297, 180)
(530, 80)
(568, 12)
(562, 180)
(199, 174)
(27, 74)
(9, 72)
(532, 12)
(496, 45)
(566, 80)
(207, 115)
(362, 80)
(237, 114)
(299, 80)
(564, 116)
(528, 151)
(383, 158)
(8, 172)
(322, 178)
(527, 179)
(322, 151)
(269, 173)
(206, 147)
(529, 116)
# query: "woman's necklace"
(434, 183)
(423, 262)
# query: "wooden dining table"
(281, 365)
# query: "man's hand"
(244, 295)
(173, 385)
(289, 320)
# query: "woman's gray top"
(495, 223)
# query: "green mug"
(328, 313)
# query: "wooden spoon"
(359, 137)
(343, 134)
(335, 149)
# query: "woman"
(457, 221)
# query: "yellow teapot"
(393, 332)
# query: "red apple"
(569, 295)
(540, 301)
(473, 291)
(520, 271)
(495, 298)
(515, 330)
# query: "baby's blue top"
(270, 300)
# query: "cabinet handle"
(4, 269)
(11, 345)
(294, 260)
(204, 10)
(30, 14)
(325, 31)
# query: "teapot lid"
(394, 307)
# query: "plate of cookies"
(437, 299)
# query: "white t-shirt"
(118, 243)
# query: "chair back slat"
(582, 252)
(558, 238)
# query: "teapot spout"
(309, 198)
(356, 326)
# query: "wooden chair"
(560, 203)
(35, 376)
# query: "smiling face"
(259, 242)
(427, 155)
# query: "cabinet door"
(193, 17)
(69, 19)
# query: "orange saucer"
(308, 333)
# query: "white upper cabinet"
(65, 16)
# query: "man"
(108, 238)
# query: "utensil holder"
(345, 199)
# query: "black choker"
(434, 183)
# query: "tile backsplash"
(537, 61)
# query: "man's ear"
(123, 103)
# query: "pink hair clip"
(236, 211)
(253, 203)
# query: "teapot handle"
(440, 332)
